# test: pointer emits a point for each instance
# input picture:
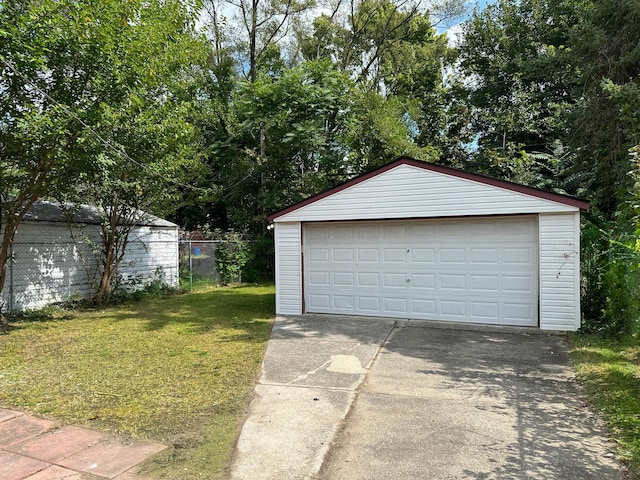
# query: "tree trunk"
(253, 41)
(14, 217)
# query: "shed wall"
(288, 268)
(559, 271)
(410, 192)
(53, 264)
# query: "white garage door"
(481, 270)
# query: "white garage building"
(53, 258)
(421, 241)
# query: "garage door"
(480, 270)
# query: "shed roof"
(448, 171)
(55, 212)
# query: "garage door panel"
(344, 302)
(318, 233)
(522, 284)
(485, 283)
(454, 308)
(343, 279)
(423, 281)
(453, 255)
(484, 256)
(474, 270)
(424, 307)
(426, 256)
(488, 311)
(370, 255)
(318, 301)
(517, 256)
(368, 233)
(393, 232)
(394, 255)
(450, 282)
(394, 280)
(318, 255)
(517, 311)
(369, 304)
(368, 279)
(317, 278)
(422, 231)
(342, 234)
(395, 305)
(341, 255)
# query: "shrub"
(610, 279)
(231, 257)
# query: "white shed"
(421, 241)
(52, 260)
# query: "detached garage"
(421, 241)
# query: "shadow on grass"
(201, 312)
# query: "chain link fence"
(49, 263)
(198, 262)
(226, 258)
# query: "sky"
(454, 30)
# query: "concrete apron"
(311, 370)
(439, 402)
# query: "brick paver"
(18, 467)
(33, 448)
(19, 429)
(108, 459)
(57, 444)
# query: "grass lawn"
(610, 373)
(178, 370)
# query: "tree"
(554, 93)
(282, 148)
(395, 57)
(520, 80)
(93, 98)
(607, 118)
(260, 26)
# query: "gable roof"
(490, 182)
(55, 212)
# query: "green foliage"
(609, 370)
(610, 279)
(260, 266)
(517, 58)
(285, 142)
(231, 257)
(605, 46)
(95, 100)
(135, 288)
(554, 96)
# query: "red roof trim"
(534, 192)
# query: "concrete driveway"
(364, 398)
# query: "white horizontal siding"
(410, 192)
(288, 268)
(51, 264)
(152, 254)
(560, 271)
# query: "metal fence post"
(190, 269)
(11, 261)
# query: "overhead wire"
(124, 155)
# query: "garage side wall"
(152, 254)
(51, 263)
(559, 271)
(288, 268)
